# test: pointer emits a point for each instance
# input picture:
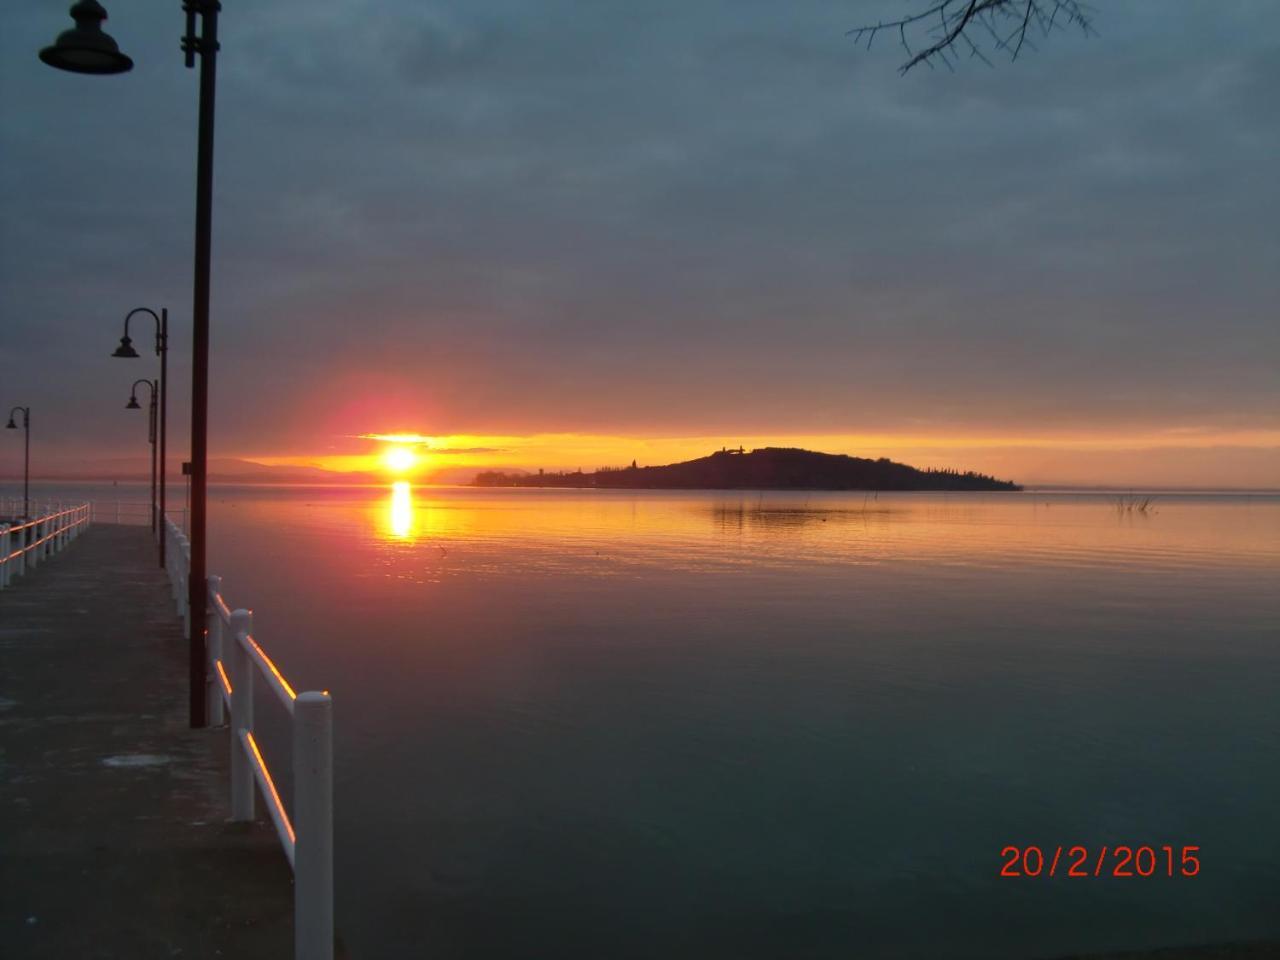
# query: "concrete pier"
(114, 837)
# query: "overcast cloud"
(671, 218)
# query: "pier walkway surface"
(114, 831)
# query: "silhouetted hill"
(771, 468)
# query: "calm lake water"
(733, 725)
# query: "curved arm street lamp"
(127, 350)
(154, 389)
(86, 49)
(26, 456)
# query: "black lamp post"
(86, 49)
(154, 389)
(127, 350)
(26, 456)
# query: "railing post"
(214, 697)
(33, 535)
(241, 716)
(186, 577)
(177, 570)
(313, 825)
(180, 571)
(5, 563)
(171, 556)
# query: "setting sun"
(400, 459)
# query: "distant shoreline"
(1046, 489)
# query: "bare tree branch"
(946, 25)
(1022, 33)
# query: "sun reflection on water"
(597, 532)
(400, 511)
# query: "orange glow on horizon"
(1187, 455)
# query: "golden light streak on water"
(400, 511)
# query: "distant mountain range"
(770, 468)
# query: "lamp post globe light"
(26, 456)
(160, 428)
(86, 49)
(154, 388)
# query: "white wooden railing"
(234, 658)
(177, 562)
(130, 512)
(25, 543)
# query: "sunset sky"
(566, 234)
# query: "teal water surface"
(610, 724)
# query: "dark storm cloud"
(678, 216)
